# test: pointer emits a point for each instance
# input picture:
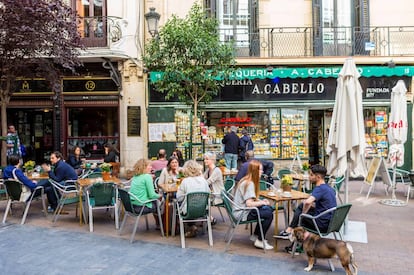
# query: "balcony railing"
(308, 41)
(100, 31)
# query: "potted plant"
(305, 167)
(29, 166)
(286, 183)
(221, 163)
(106, 170)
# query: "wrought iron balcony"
(279, 42)
(100, 31)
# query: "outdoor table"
(277, 198)
(230, 174)
(83, 183)
(37, 177)
(169, 189)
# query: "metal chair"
(102, 196)
(230, 206)
(197, 210)
(403, 177)
(340, 213)
(129, 211)
(336, 184)
(228, 186)
(14, 190)
(67, 193)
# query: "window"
(340, 26)
(93, 18)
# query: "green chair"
(14, 190)
(337, 185)
(157, 173)
(230, 206)
(3, 190)
(67, 194)
(228, 186)
(102, 196)
(340, 213)
(403, 177)
(130, 211)
(197, 210)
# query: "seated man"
(267, 167)
(61, 173)
(161, 161)
(322, 198)
(13, 171)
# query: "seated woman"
(246, 195)
(76, 159)
(194, 182)
(169, 174)
(177, 153)
(214, 178)
(111, 153)
(143, 188)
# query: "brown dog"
(317, 247)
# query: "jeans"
(231, 160)
(266, 213)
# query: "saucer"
(272, 194)
(286, 194)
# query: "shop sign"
(89, 85)
(308, 72)
(286, 89)
(26, 86)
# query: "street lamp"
(152, 17)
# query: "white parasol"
(346, 141)
(397, 134)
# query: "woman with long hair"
(170, 173)
(247, 195)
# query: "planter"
(287, 188)
(106, 175)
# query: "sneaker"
(262, 244)
(253, 238)
(50, 209)
(282, 235)
(289, 248)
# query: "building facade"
(288, 52)
(289, 55)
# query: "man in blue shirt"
(322, 198)
(231, 148)
(60, 173)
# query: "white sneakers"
(260, 244)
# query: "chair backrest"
(284, 171)
(338, 182)
(228, 204)
(157, 173)
(103, 193)
(229, 184)
(14, 189)
(264, 185)
(197, 205)
(126, 200)
(338, 217)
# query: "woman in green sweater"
(143, 188)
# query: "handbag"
(26, 192)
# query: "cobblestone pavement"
(40, 247)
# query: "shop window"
(92, 128)
(376, 121)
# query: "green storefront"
(287, 112)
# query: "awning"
(310, 72)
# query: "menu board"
(134, 120)
(161, 132)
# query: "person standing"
(246, 195)
(13, 142)
(246, 144)
(231, 148)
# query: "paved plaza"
(40, 247)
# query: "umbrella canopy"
(397, 124)
(347, 133)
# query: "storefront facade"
(84, 113)
(286, 111)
